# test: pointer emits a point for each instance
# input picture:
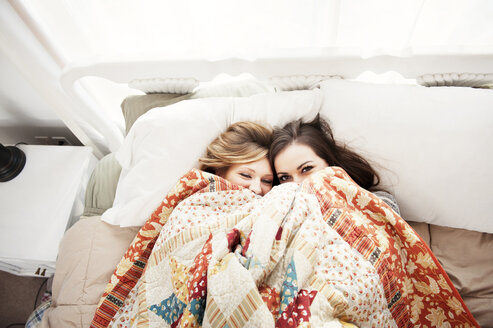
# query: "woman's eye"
(283, 178)
(267, 181)
(307, 168)
(245, 175)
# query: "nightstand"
(38, 205)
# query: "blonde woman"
(240, 155)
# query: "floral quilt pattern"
(325, 253)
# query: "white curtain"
(402, 28)
(225, 28)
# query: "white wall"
(23, 113)
(25, 110)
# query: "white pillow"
(164, 144)
(431, 145)
(434, 143)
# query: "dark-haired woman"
(300, 149)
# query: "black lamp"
(12, 161)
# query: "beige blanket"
(88, 254)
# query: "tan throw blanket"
(326, 253)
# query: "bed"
(431, 146)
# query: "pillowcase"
(164, 144)
(432, 145)
(134, 106)
(101, 188)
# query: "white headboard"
(289, 63)
(320, 62)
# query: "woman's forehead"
(296, 149)
(294, 155)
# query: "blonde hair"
(242, 142)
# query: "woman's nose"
(255, 187)
(298, 179)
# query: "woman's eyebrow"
(253, 171)
(299, 167)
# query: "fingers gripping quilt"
(326, 253)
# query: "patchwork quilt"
(325, 253)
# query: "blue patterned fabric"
(169, 309)
(197, 308)
(289, 286)
(36, 316)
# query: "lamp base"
(14, 165)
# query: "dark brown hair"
(317, 135)
(241, 143)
